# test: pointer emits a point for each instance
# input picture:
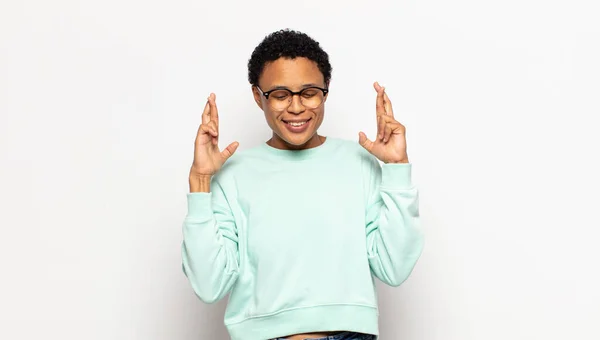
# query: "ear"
(257, 97)
(327, 95)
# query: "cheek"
(272, 118)
(320, 115)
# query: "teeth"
(297, 124)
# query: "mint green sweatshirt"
(297, 238)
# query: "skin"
(389, 145)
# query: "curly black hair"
(288, 44)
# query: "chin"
(297, 139)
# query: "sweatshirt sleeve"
(394, 237)
(209, 251)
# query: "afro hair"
(291, 44)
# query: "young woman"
(297, 228)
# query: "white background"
(100, 102)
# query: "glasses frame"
(266, 94)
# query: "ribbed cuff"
(199, 205)
(396, 175)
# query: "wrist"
(397, 161)
(200, 183)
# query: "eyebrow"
(281, 87)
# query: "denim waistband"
(343, 336)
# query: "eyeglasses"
(280, 99)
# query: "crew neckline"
(298, 154)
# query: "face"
(289, 131)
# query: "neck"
(279, 143)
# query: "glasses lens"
(311, 98)
(280, 99)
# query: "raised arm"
(210, 257)
(394, 235)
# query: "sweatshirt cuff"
(199, 205)
(396, 175)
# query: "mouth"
(297, 126)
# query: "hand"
(390, 144)
(207, 157)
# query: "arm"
(394, 237)
(210, 245)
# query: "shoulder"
(236, 164)
(354, 150)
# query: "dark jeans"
(344, 336)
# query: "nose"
(296, 106)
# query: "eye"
(309, 93)
(280, 95)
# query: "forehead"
(292, 73)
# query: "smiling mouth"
(297, 123)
